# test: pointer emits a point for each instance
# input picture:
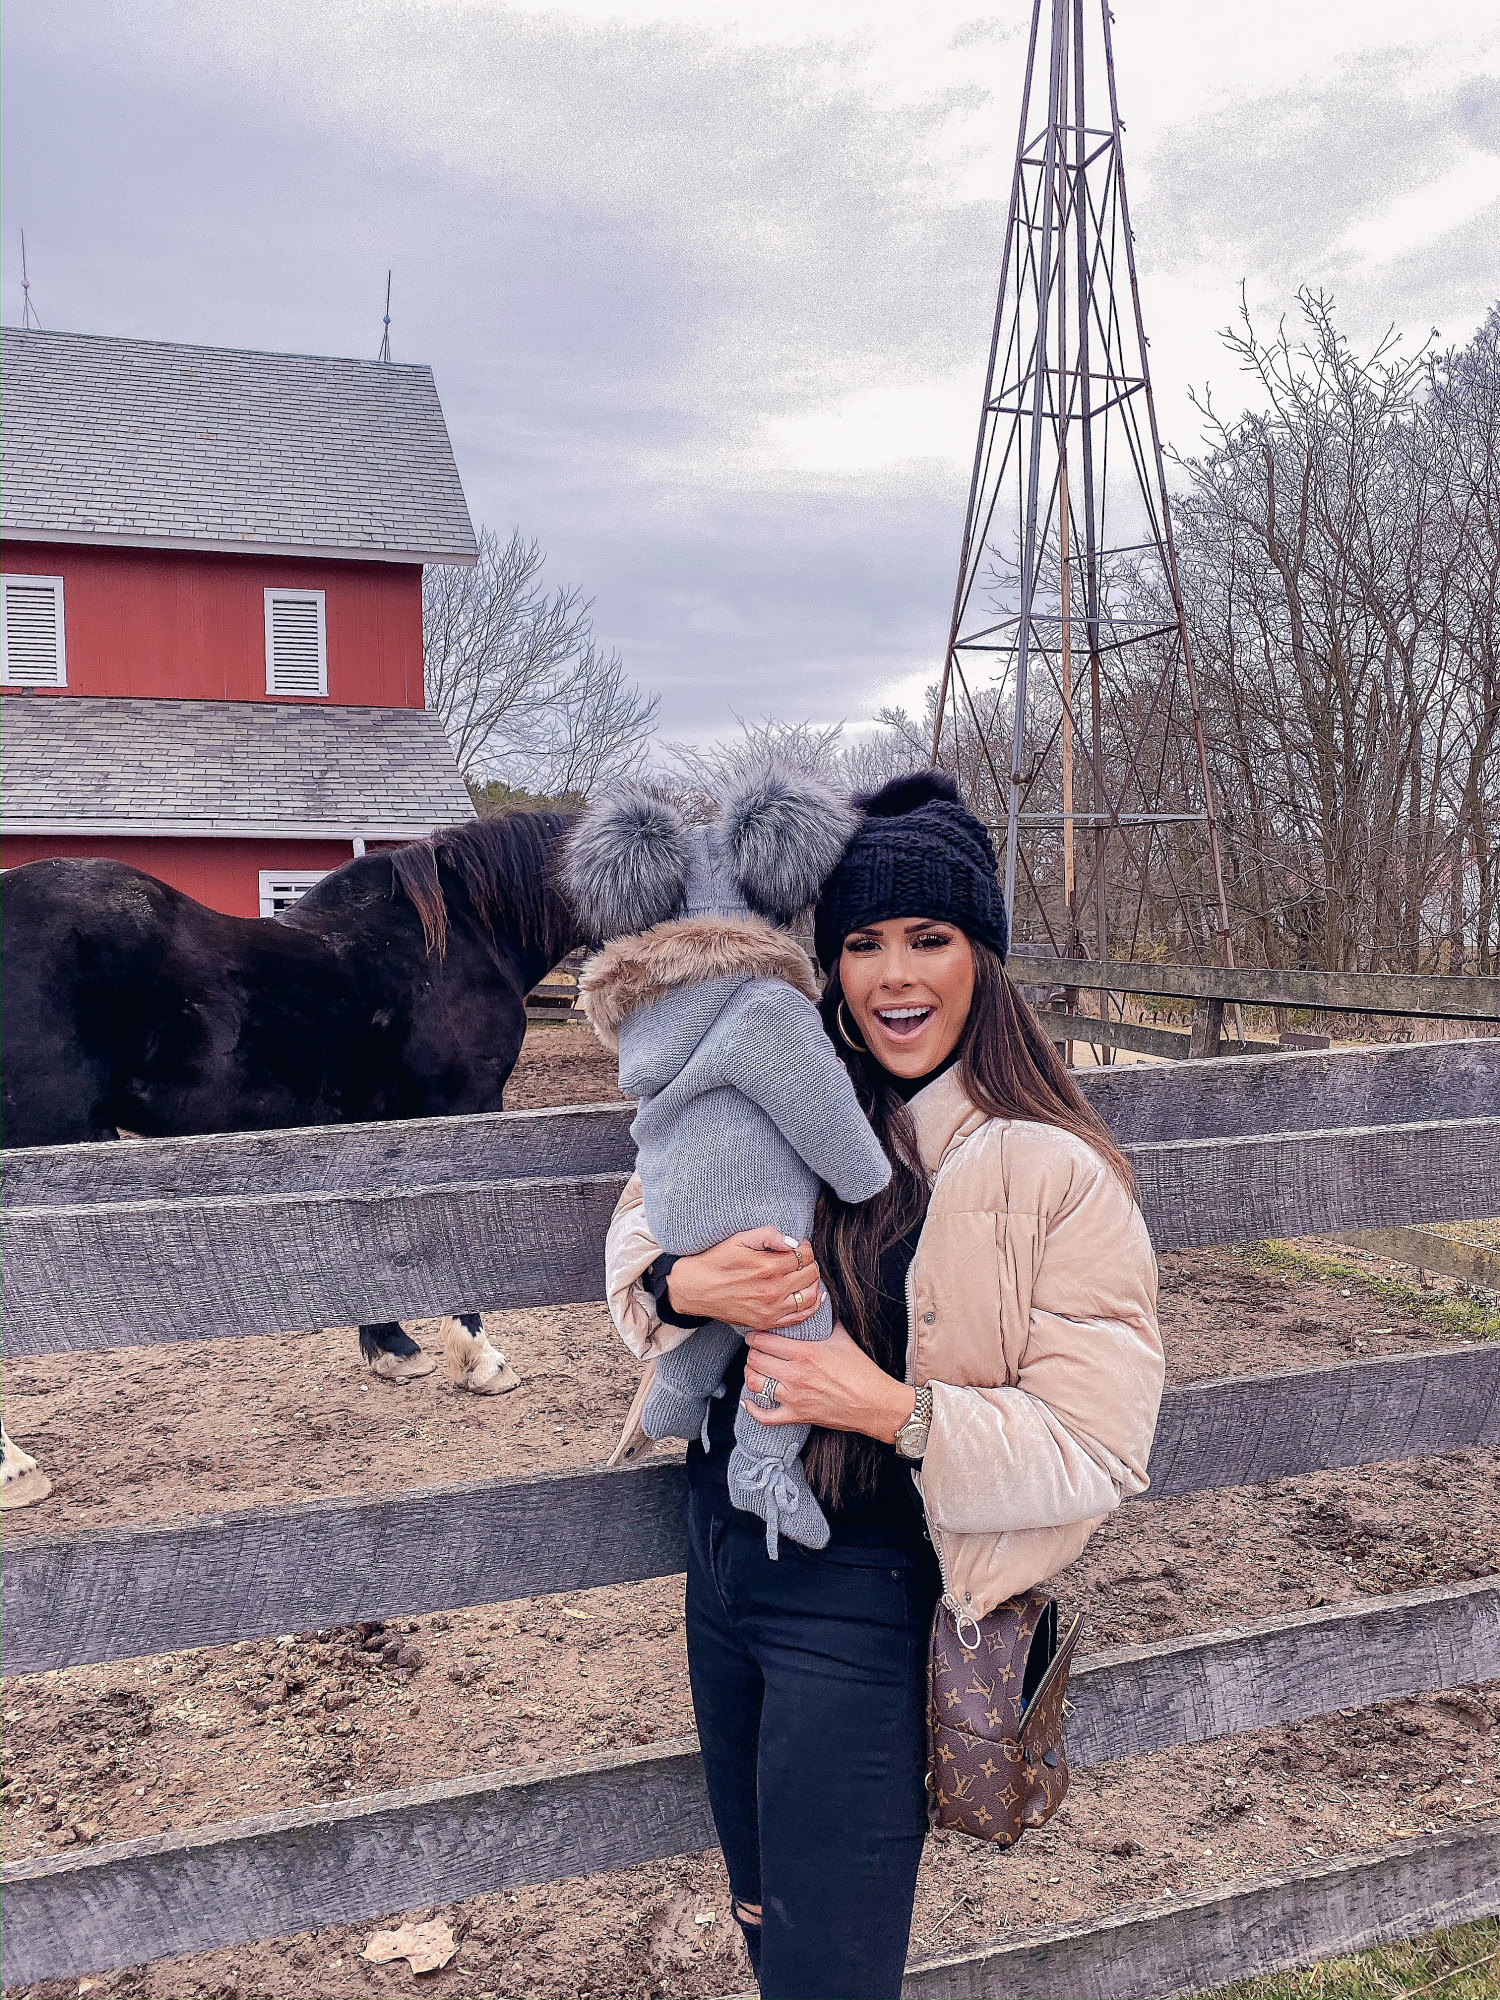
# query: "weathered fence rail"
(1195, 1942)
(268, 1230)
(1438, 997)
(1424, 1250)
(134, 1900)
(115, 1593)
(115, 1274)
(1105, 1031)
(187, 1239)
(1210, 988)
(1239, 1096)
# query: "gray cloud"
(1477, 108)
(987, 30)
(625, 251)
(599, 345)
(1445, 287)
(818, 231)
(1272, 182)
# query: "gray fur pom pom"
(785, 831)
(626, 863)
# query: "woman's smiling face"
(908, 983)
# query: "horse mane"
(506, 867)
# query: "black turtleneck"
(906, 1087)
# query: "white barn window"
(281, 887)
(296, 643)
(31, 632)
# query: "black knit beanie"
(919, 853)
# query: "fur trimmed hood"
(633, 971)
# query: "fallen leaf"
(425, 1947)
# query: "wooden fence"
(1210, 988)
(257, 1232)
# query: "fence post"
(1208, 1028)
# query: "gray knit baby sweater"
(744, 1108)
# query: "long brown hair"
(1008, 1069)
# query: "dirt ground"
(562, 1065)
(180, 1741)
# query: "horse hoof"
(25, 1489)
(499, 1383)
(474, 1365)
(402, 1367)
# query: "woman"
(988, 1395)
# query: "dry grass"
(1466, 1312)
(1458, 1964)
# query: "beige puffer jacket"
(1032, 1304)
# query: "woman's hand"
(758, 1278)
(830, 1382)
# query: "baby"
(743, 1106)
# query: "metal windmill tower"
(1068, 669)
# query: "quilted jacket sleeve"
(1060, 1264)
(629, 1250)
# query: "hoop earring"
(859, 1048)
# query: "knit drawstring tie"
(768, 1477)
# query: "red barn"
(212, 610)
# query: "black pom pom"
(904, 795)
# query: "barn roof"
(149, 444)
(117, 765)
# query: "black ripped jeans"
(809, 1679)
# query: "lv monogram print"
(992, 1771)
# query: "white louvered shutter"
(32, 642)
(279, 891)
(296, 643)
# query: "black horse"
(394, 989)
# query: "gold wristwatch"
(911, 1439)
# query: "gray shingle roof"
(149, 442)
(108, 764)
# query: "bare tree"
(1460, 417)
(1339, 564)
(596, 726)
(525, 694)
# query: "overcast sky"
(708, 297)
